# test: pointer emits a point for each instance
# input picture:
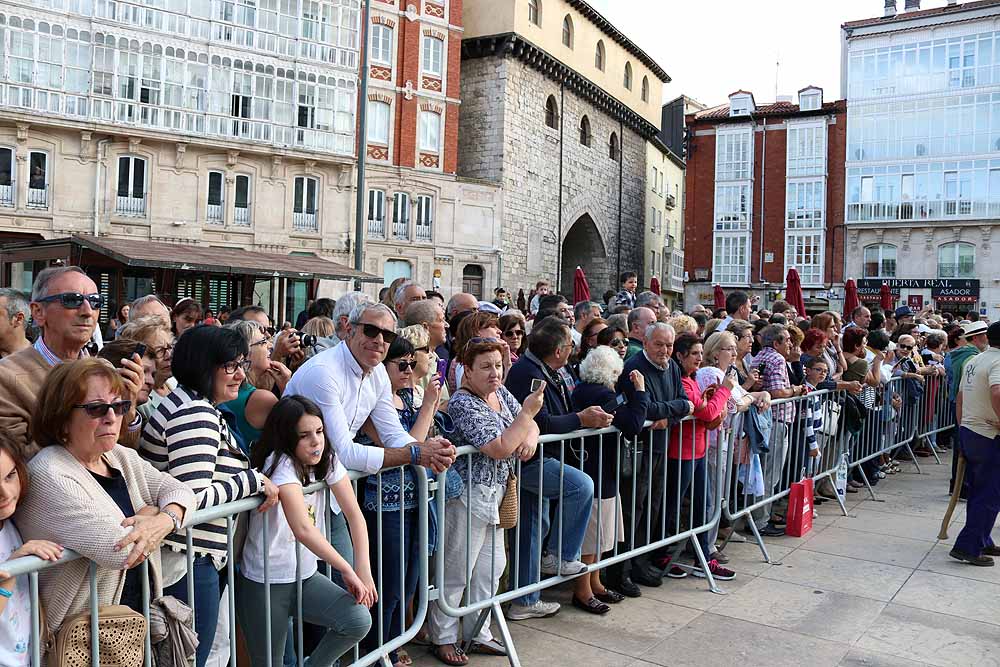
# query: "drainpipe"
(97, 187)
(359, 213)
(763, 172)
(621, 182)
(562, 116)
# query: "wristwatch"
(173, 517)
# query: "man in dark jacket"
(668, 404)
(549, 348)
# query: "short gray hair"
(17, 302)
(362, 308)
(771, 333)
(246, 328)
(658, 326)
(634, 314)
(149, 298)
(646, 298)
(346, 305)
(420, 312)
(449, 310)
(39, 290)
(401, 290)
(582, 308)
(602, 366)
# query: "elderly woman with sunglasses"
(191, 436)
(90, 494)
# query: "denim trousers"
(207, 590)
(573, 511)
(324, 603)
(982, 470)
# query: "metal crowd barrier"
(31, 566)
(644, 479)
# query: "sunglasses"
(230, 366)
(905, 347)
(98, 410)
(372, 331)
(74, 300)
(425, 349)
(481, 340)
(514, 332)
(618, 342)
(404, 366)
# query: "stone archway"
(584, 247)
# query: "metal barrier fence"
(31, 566)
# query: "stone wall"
(503, 137)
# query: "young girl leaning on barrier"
(15, 602)
(294, 452)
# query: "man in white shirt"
(350, 385)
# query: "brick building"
(765, 192)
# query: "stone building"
(664, 258)
(557, 106)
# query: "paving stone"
(864, 658)
(939, 561)
(866, 579)
(957, 596)
(869, 519)
(936, 639)
(870, 546)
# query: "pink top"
(684, 445)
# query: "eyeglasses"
(618, 342)
(74, 300)
(731, 348)
(514, 333)
(98, 410)
(230, 366)
(162, 351)
(263, 341)
(404, 366)
(372, 331)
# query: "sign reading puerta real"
(942, 290)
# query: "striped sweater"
(187, 437)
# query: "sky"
(711, 48)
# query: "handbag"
(831, 419)
(508, 506)
(121, 634)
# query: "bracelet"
(4, 593)
(414, 455)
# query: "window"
(535, 12)
(425, 218)
(430, 131)
(131, 190)
(433, 54)
(381, 44)
(645, 89)
(809, 101)
(304, 204)
(732, 207)
(376, 214)
(806, 150)
(652, 263)
(805, 204)
(6, 177)
(585, 131)
(396, 268)
(38, 180)
(378, 122)
(472, 280)
(567, 32)
(241, 210)
(401, 215)
(614, 150)
(880, 261)
(628, 76)
(957, 260)
(656, 178)
(552, 113)
(599, 55)
(730, 265)
(804, 251)
(215, 211)
(734, 155)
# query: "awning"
(207, 259)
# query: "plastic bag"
(751, 476)
(842, 477)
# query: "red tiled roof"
(765, 110)
(921, 13)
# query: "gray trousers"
(773, 465)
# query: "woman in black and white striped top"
(189, 437)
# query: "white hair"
(346, 305)
(658, 326)
(362, 308)
(401, 291)
(602, 366)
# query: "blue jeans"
(574, 509)
(982, 470)
(395, 592)
(206, 603)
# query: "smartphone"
(535, 384)
(613, 404)
(140, 349)
(760, 368)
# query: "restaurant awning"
(209, 259)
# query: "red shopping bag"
(800, 508)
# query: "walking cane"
(955, 492)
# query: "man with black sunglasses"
(351, 386)
(65, 305)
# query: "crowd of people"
(110, 449)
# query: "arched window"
(880, 261)
(645, 89)
(599, 55)
(568, 31)
(552, 112)
(957, 260)
(614, 150)
(585, 131)
(628, 76)
(535, 12)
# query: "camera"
(307, 340)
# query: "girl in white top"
(15, 603)
(294, 452)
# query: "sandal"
(492, 647)
(455, 657)
(403, 658)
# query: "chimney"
(912, 5)
(890, 8)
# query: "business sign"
(953, 290)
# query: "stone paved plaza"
(875, 588)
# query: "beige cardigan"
(66, 505)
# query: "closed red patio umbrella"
(850, 298)
(793, 292)
(654, 285)
(719, 296)
(581, 290)
(885, 297)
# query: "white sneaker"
(567, 568)
(521, 612)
